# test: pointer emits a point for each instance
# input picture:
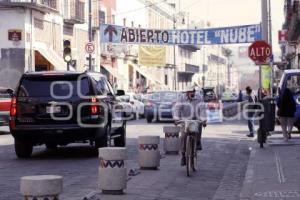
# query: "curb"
(247, 189)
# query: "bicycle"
(191, 128)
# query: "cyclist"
(190, 107)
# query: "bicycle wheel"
(194, 153)
(189, 156)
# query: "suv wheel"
(121, 141)
(103, 141)
(23, 149)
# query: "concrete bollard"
(148, 156)
(41, 187)
(172, 140)
(112, 170)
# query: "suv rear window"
(41, 86)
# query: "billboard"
(152, 55)
(213, 36)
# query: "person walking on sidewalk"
(240, 99)
(286, 111)
(251, 113)
(190, 107)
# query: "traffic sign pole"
(90, 32)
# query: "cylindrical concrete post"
(149, 156)
(112, 170)
(41, 187)
(172, 141)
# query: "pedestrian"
(251, 111)
(286, 111)
(240, 99)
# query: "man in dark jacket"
(250, 113)
(286, 111)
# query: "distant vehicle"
(128, 107)
(5, 102)
(160, 105)
(79, 101)
(229, 96)
(209, 94)
(291, 80)
(138, 106)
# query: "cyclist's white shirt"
(190, 109)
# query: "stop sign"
(259, 51)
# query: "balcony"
(40, 5)
(74, 12)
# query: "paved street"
(222, 165)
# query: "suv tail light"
(13, 107)
(13, 113)
(94, 106)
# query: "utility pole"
(265, 33)
(270, 42)
(90, 33)
(203, 66)
(174, 55)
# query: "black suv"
(58, 108)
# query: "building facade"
(157, 15)
(291, 49)
(33, 34)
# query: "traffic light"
(67, 51)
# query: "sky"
(234, 12)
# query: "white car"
(128, 108)
(138, 106)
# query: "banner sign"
(150, 55)
(212, 36)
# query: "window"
(166, 79)
(293, 83)
(102, 17)
(111, 89)
(102, 85)
(41, 86)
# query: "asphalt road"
(223, 162)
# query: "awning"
(114, 72)
(58, 63)
(147, 76)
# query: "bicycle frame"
(191, 143)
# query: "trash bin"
(267, 120)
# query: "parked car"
(209, 94)
(229, 96)
(160, 105)
(127, 106)
(5, 101)
(138, 106)
(58, 108)
(291, 80)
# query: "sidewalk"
(273, 172)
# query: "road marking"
(280, 173)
